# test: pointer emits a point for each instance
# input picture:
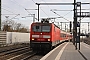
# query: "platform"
(85, 50)
(66, 51)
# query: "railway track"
(21, 55)
(9, 54)
(13, 47)
(35, 57)
(86, 40)
(12, 51)
(24, 53)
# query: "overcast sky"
(13, 7)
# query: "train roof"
(45, 23)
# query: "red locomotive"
(46, 35)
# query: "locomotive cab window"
(41, 28)
(46, 28)
(37, 27)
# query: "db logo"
(40, 36)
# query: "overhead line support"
(38, 10)
(55, 3)
(0, 15)
(59, 3)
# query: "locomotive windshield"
(45, 28)
(41, 28)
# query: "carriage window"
(63, 35)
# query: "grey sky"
(18, 7)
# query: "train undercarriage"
(41, 46)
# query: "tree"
(10, 25)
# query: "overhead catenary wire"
(48, 6)
(28, 11)
(84, 9)
(14, 1)
(68, 13)
(3, 5)
(17, 3)
(8, 11)
(69, 10)
(44, 12)
(41, 9)
(13, 13)
(14, 16)
(81, 18)
(9, 14)
(33, 1)
(63, 10)
(60, 16)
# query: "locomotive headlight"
(32, 39)
(48, 39)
